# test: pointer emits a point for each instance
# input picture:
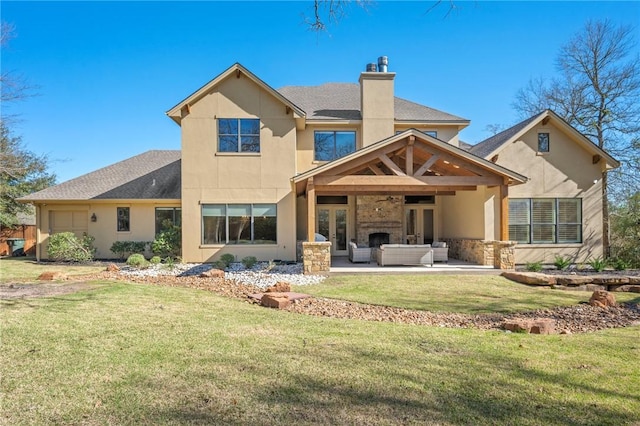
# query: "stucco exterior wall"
(209, 177)
(305, 142)
(566, 171)
(463, 215)
(377, 106)
(104, 229)
(448, 134)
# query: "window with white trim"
(239, 224)
(545, 220)
(543, 142)
(238, 135)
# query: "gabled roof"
(372, 151)
(150, 175)
(176, 112)
(494, 144)
(341, 101)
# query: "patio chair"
(359, 254)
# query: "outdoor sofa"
(404, 254)
(440, 252)
(359, 254)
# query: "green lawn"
(448, 293)
(137, 354)
(27, 269)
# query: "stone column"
(316, 257)
(504, 254)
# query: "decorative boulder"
(533, 326)
(602, 299)
(52, 276)
(112, 267)
(275, 300)
(280, 287)
(213, 273)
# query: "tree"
(596, 92)
(625, 223)
(21, 171)
(326, 12)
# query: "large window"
(238, 135)
(331, 145)
(239, 224)
(545, 220)
(167, 216)
(123, 219)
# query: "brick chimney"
(376, 102)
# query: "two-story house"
(265, 173)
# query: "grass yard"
(27, 269)
(471, 294)
(139, 354)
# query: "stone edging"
(577, 282)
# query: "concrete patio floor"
(341, 264)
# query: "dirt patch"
(23, 290)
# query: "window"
(543, 142)
(239, 224)
(238, 135)
(432, 133)
(331, 145)
(545, 220)
(123, 219)
(167, 216)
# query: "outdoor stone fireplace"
(376, 239)
(379, 214)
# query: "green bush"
(219, 264)
(562, 263)
(155, 260)
(125, 248)
(168, 242)
(249, 261)
(66, 247)
(597, 264)
(137, 260)
(534, 266)
(620, 264)
(227, 259)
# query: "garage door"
(69, 221)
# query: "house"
(262, 171)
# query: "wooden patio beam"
(311, 210)
(364, 180)
(391, 165)
(427, 164)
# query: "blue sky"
(108, 71)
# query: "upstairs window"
(432, 133)
(238, 135)
(123, 219)
(543, 142)
(330, 145)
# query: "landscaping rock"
(533, 326)
(602, 299)
(573, 280)
(609, 279)
(530, 278)
(634, 279)
(275, 300)
(52, 276)
(212, 273)
(112, 267)
(280, 287)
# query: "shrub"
(620, 264)
(124, 248)
(155, 260)
(534, 266)
(227, 259)
(219, 264)
(168, 242)
(249, 261)
(562, 263)
(597, 264)
(137, 260)
(66, 247)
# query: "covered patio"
(411, 189)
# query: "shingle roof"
(151, 175)
(341, 101)
(487, 146)
(465, 146)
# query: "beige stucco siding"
(566, 171)
(104, 229)
(448, 134)
(305, 142)
(209, 177)
(463, 215)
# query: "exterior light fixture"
(94, 218)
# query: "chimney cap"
(371, 67)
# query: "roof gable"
(408, 162)
(178, 111)
(150, 175)
(496, 143)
